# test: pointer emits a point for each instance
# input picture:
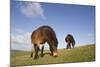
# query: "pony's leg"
(73, 44)
(42, 51)
(36, 51)
(68, 45)
(31, 55)
(51, 49)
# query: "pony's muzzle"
(55, 54)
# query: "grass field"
(77, 54)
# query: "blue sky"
(78, 20)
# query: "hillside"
(78, 54)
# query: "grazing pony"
(69, 39)
(42, 35)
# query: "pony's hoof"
(36, 57)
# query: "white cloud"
(21, 39)
(32, 9)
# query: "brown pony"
(42, 35)
(70, 41)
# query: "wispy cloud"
(32, 9)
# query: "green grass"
(78, 54)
